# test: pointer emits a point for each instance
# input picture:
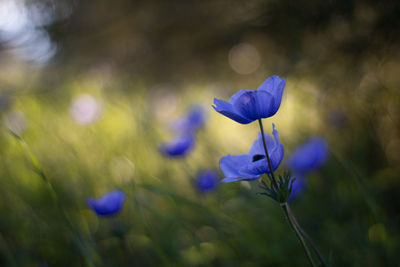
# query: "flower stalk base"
(280, 191)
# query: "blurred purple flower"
(249, 167)
(193, 121)
(207, 181)
(249, 105)
(185, 128)
(298, 187)
(178, 147)
(108, 204)
(306, 158)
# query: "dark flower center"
(258, 157)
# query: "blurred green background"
(92, 86)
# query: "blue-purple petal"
(228, 110)
(249, 105)
(276, 156)
(194, 121)
(207, 181)
(275, 151)
(257, 147)
(255, 168)
(259, 167)
(308, 156)
(298, 187)
(252, 165)
(237, 95)
(254, 105)
(275, 133)
(231, 166)
(274, 85)
(196, 117)
(179, 146)
(108, 204)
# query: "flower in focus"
(206, 181)
(108, 204)
(249, 167)
(306, 158)
(179, 146)
(249, 105)
(193, 121)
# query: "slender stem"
(305, 235)
(285, 206)
(273, 179)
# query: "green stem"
(274, 182)
(285, 206)
(305, 235)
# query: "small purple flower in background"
(306, 158)
(298, 187)
(108, 204)
(179, 146)
(186, 129)
(193, 121)
(207, 181)
(249, 167)
(249, 105)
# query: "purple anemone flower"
(108, 204)
(193, 121)
(249, 167)
(298, 187)
(179, 146)
(308, 156)
(207, 181)
(249, 105)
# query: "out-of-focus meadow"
(92, 87)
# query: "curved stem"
(286, 211)
(285, 207)
(273, 179)
(305, 235)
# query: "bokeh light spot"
(85, 109)
(244, 58)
